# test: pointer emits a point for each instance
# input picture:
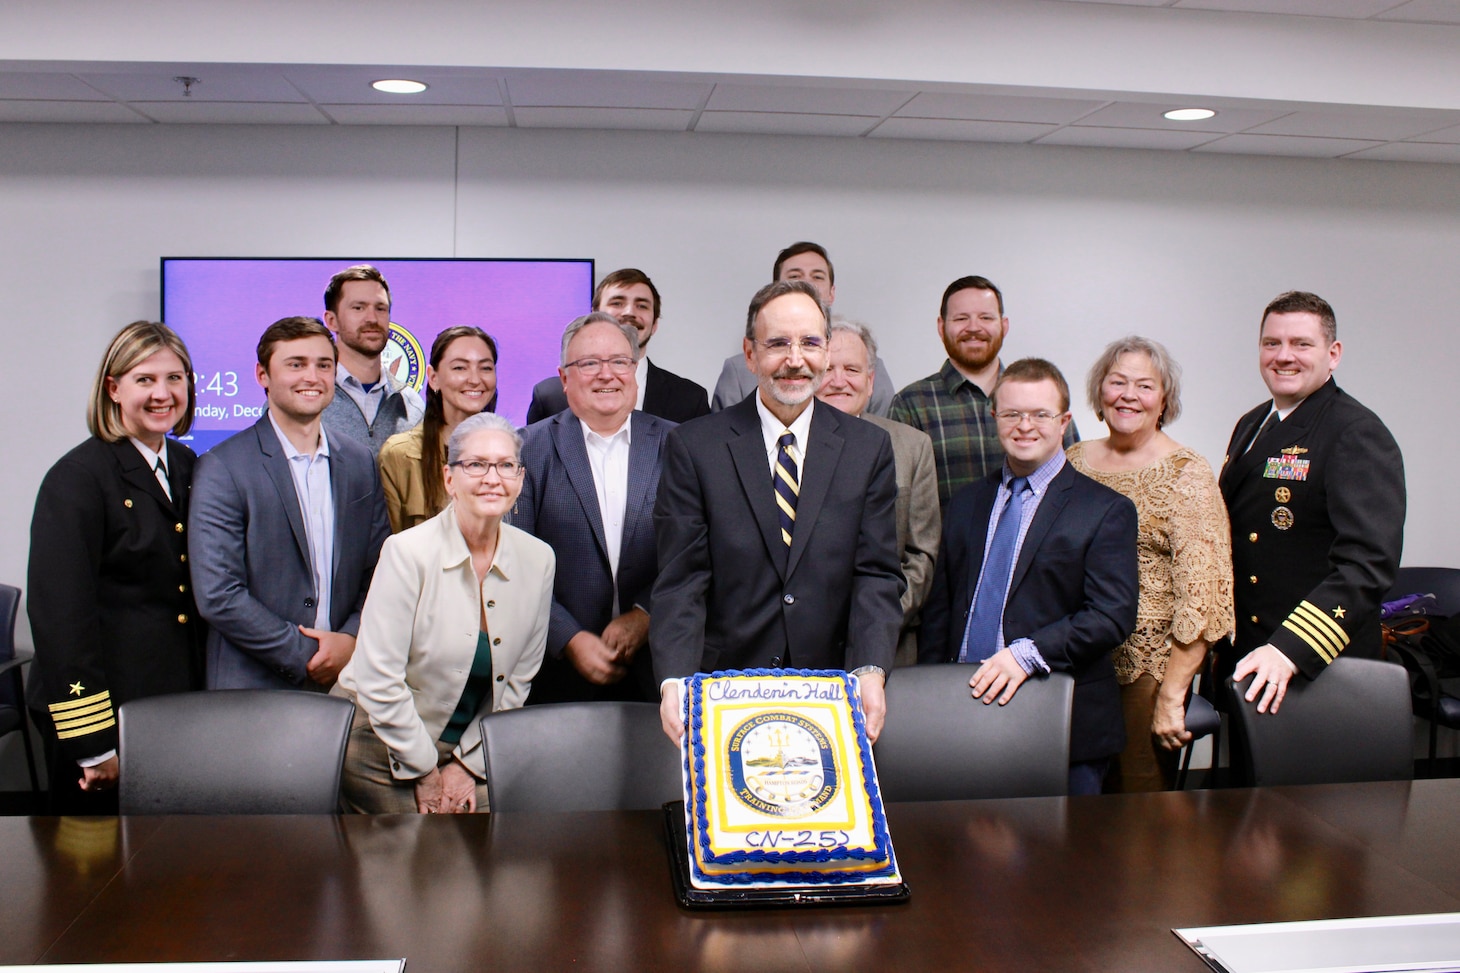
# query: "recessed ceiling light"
(1188, 114)
(399, 86)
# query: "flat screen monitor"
(220, 306)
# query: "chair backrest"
(599, 756)
(233, 751)
(9, 609)
(1443, 583)
(1351, 724)
(940, 744)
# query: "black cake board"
(780, 898)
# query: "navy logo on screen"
(781, 764)
(403, 358)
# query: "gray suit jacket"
(559, 505)
(250, 556)
(736, 382)
(919, 524)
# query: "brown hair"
(292, 329)
(1034, 370)
(780, 288)
(337, 284)
(795, 250)
(973, 283)
(1297, 302)
(627, 277)
(133, 345)
(433, 423)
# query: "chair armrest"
(15, 663)
(1202, 719)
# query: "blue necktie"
(787, 485)
(981, 637)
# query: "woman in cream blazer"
(454, 628)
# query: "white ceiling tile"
(784, 123)
(1290, 145)
(40, 85)
(350, 85)
(597, 89)
(1127, 3)
(959, 131)
(1442, 135)
(256, 83)
(1126, 138)
(231, 113)
(1310, 8)
(417, 114)
(1412, 152)
(996, 108)
(813, 101)
(1380, 125)
(67, 111)
(1128, 114)
(647, 119)
(1425, 12)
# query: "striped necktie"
(787, 483)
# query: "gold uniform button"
(1253, 579)
(183, 558)
(1252, 537)
(178, 528)
(1254, 619)
(127, 503)
(182, 589)
(182, 619)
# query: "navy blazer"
(559, 505)
(730, 594)
(666, 395)
(251, 563)
(1073, 591)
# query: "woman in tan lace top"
(1184, 546)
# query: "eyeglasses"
(1042, 419)
(507, 469)
(781, 347)
(592, 366)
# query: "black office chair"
(602, 756)
(1436, 699)
(1350, 724)
(233, 751)
(1202, 720)
(940, 744)
(12, 691)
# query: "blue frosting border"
(694, 763)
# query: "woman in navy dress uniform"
(109, 597)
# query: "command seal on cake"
(781, 764)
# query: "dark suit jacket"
(251, 563)
(1313, 557)
(110, 602)
(730, 595)
(1074, 592)
(666, 395)
(559, 504)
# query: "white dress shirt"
(608, 456)
(771, 429)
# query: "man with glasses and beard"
(776, 524)
(953, 406)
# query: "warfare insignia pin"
(1282, 518)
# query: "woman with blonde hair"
(109, 597)
(1183, 545)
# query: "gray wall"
(1088, 245)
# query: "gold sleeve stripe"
(70, 704)
(1315, 641)
(1321, 621)
(68, 734)
(82, 715)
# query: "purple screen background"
(221, 306)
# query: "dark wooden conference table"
(1092, 883)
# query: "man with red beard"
(370, 404)
(953, 406)
(776, 524)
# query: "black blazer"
(110, 602)
(1313, 556)
(1074, 592)
(559, 505)
(666, 395)
(730, 595)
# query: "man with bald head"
(776, 524)
(591, 474)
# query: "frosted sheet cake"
(780, 787)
